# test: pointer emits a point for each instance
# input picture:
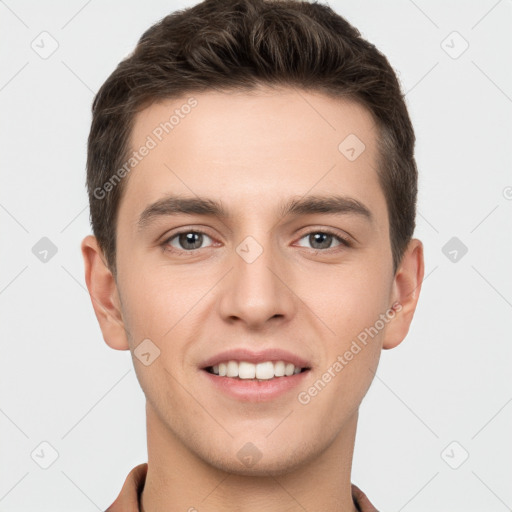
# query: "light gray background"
(449, 381)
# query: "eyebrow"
(175, 205)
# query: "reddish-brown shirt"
(128, 499)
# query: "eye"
(187, 240)
(321, 240)
(190, 240)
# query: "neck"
(179, 480)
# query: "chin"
(249, 460)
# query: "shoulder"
(361, 501)
(128, 498)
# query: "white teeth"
(279, 369)
(232, 369)
(265, 371)
(262, 371)
(245, 370)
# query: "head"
(247, 121)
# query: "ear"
(405, 293)
(104, 295)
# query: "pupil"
(317, 237)
(191, 238)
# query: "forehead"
(244, 146)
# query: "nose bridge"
(255, 291)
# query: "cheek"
(351, 305)
(145, 305)
(349, 300)
(162, 305)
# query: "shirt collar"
(128, 499)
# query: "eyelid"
(345, 240)
(184, 229)
(319, 228)
(168, 237)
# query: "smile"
(261, 371)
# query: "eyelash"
(344, 242)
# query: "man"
(252, 186)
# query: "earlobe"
(406, 291)
(104, 294)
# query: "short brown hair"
(236, 45)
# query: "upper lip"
(255, 357)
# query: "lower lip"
(254, 390)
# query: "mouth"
(255, 382)
(262, 371)
(255, 376)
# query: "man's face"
(255, 279)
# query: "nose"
(257, 291)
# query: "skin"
(252, 151)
